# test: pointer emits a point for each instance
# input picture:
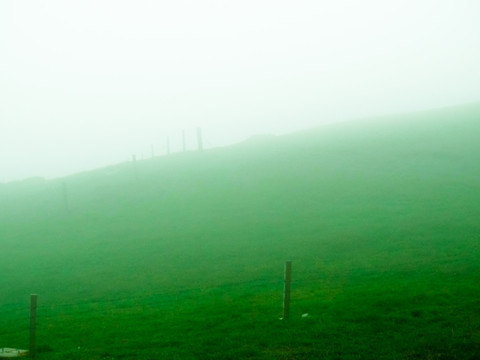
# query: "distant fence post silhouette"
(286, 291)
(33, 324)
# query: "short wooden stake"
(33, 324)
(286, 291)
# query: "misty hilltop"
(416, 162)
(417, 128)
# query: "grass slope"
(181, 257)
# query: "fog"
(89, 83)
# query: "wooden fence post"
(286, 291)
(33, 324)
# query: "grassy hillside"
(181, 257)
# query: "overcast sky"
(88, 83)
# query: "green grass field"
(181, 257)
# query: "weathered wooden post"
(199, 139)
(286, 291)
(33, 324)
